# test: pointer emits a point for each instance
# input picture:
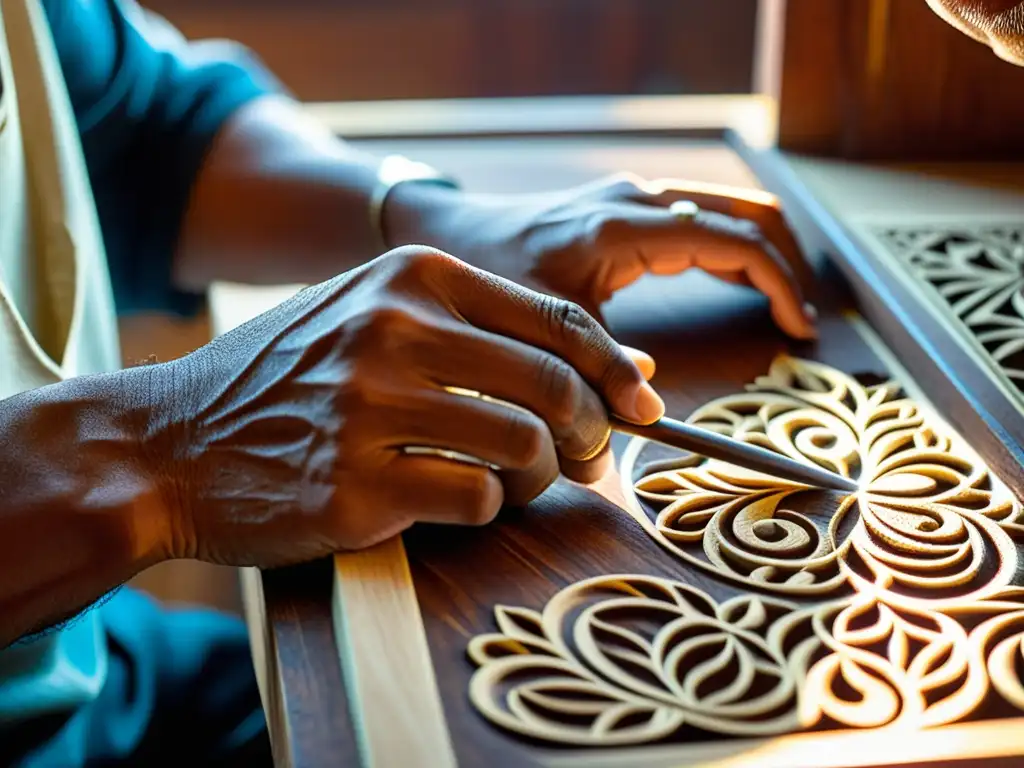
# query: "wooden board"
(522, 561)
(710, 341)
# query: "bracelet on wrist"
(395, 170)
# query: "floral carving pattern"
(928, 516)
(978, 273)
(895, 605)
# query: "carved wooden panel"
(693, 614)
(975, 275)
(896, 605)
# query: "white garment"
(57, 316)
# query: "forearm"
(79, 511)
(280, 199)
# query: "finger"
(589, 471)
(593, 470)
(429, 489)
(499, 367)
(643, 361)
(717, 244)
(560, 327)
(593, 308)
(740, 203)
(513, 439)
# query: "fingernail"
(641, 360)
(811, 330)
(649, 406)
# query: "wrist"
(81, 514)
(422, 213)
(132, 458)
(163, 433)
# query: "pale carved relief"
(978, 274)
(896, 605)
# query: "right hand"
(284, 439)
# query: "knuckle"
(419, 261)
(482, 503)
(606, 229)
(565, 318)
(561, 388)
(526, 438)
(378, 328)
(624, 186)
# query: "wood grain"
(383, 651)
(409, 49)
(571, 532)
(888, 79)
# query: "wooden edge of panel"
(965, 744)
(398, 716)
(961, 387)
(264, 660)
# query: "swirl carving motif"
(927, 522)
(895, 605)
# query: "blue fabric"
(179, 690)
(127, 682)
(54, 672)
(148, 106)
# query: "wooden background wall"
(336, 50)
(889, 80)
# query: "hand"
(285, 438)
(588, 242)
(998, 24)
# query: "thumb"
(641, 360)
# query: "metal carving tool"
(704, 442)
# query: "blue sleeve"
(148, 105)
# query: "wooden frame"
(958, 380)
(752, 115)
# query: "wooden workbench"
(710, 341)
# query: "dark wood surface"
(709, 340)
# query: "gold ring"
(593, 454)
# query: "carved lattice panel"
(975, 276)
(795, 609)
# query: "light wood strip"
(389, 676)
(752, 115)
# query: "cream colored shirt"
(57, 316)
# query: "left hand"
(586, 243)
